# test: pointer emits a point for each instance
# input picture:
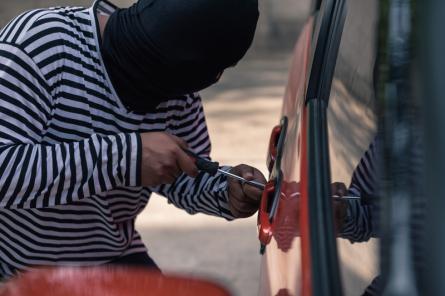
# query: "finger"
(338, 189)
(245, 207)
(240, 211)
(236, 190)
(259, 177)
(239, 169)
(239, 197)
(240, 205)
(170, 167)
(247, 172)
(253, 193)
(249, 194)
(186, 163)
(181, 143)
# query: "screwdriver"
(212, 168)
(364, 200)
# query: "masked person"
(96, 108)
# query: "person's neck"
(103, 19)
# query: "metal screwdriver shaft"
(212, 167)
(347, 197)
(252, 183)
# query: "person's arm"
(213, 195)
(203, 194)
(359, 221)
(37, 174)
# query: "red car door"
(296, 202)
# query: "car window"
(352, 128)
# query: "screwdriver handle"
(210, 167)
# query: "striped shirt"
(70, 152)
(359, 224)
(362, 221)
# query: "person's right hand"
(163, 159)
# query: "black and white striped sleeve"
(359, 224)
(36, 174)
(203, 194)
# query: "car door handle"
(276, 143)
(273, 147)
(268, 209)
(265, 231)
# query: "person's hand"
(163, 159)
(244, 199)
(340, 207)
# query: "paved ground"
(241, 112)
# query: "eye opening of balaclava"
(161, 49)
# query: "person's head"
(176, 47)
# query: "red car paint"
(304, 216)
(265, 230)
(106, 281)
(286, 226)
(282, 273)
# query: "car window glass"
(352, 126)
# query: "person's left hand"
(244, 199)
(340, 206)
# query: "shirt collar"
(104, 6)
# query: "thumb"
(186, 163)
(180, 142)
(253, 193)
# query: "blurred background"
(241, 112)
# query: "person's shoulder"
(38, 27)
(20, 26)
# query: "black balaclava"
(162, 49)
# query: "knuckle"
(169, 166)
(157, 168)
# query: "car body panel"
(281, 271)
(323, 143)
(107, 281)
